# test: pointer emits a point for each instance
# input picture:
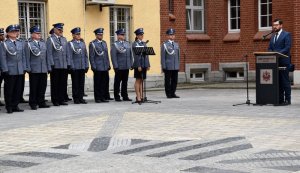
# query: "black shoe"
(2, 104)
(23, 100)
(55, 104)
(44, 106)
(175, 96)
(33, 107)
(85, 95)
(127, 99)
(76, 102)
(82, 101)
(67, 99)
(118, 100)
(17, 109)
(9, 110)
(63, 103)
(104, 101)
(98, 101)
(169, 97)
(109, 98)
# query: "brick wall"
(215, 50)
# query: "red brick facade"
(216, 45)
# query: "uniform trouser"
(78, 78)
(12, 90)
(121, 76)
(38, 85)
(22, 86)
(106, 94)
(58, 78)
(100, 84)
(171, 78)
(284, 86)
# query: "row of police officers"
(58, 57)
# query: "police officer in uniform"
(121, 57)
(170, 60)
(141, 65)
(22, 100)
(100, 65)
(57, 54)
(77, 53)
(38, 66)
(13, 65)
(2, 38)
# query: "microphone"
(147, 41)
(266, 35)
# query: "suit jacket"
(170, 56)
(12, 57)
(121, 55)
(140, 60)
(57, 52)
(36, 55)
(98, 53)
(77, 54)
(282, 45)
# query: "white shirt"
(278, 34)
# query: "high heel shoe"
(138, 101)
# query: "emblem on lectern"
(266, 76)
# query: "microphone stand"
(248, 102)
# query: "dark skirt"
(140, 74)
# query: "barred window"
(265, 14)
(30, 14)
(194, 15)
(234, 15)
(119, 18)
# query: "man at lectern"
(281, 42)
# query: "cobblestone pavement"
(201, 132)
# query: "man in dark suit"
(281, 42)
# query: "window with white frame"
(234, 15)
(119, 18)
(265, 14)
(195, 15)
(30, 14)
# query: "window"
(194, 15)
(171, 6)
(234, 15)
(234, 75)
(30, 14)
(265, 14)
(119, 18)
(197, 75)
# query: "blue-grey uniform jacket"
(13, 60)
(99, 55)
(170, 56)
(57, 52)
(77, 54)
(121, 55)
(36, 55)
(140, 60)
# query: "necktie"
(38, 43)
(15, 43)
(173, 44)
(276, 37)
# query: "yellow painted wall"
(145, 14)
(8, 13)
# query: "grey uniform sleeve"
(113, 54)
(92, 56)
(3, 59)
(163, 57)
(49, 52)
(27, 55)
(86, 59)
(70, 56)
